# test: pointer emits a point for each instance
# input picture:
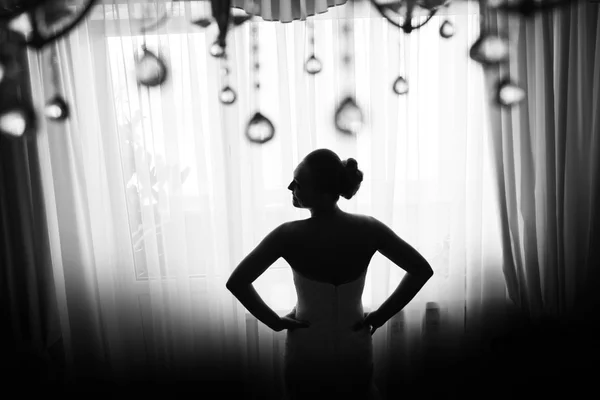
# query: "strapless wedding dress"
(329, 359)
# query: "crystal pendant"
(489, 50)
(313, 65)
(239, 16)
(16, 122)
(217, 50)
(22, 24)
(56, 109)
(508, 93)
(202, 22)
(400, 85)
(348, 116)
(260, 129)
(227, 95)
(150, 70)
(447, 29)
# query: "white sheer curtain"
(155, 195)
(546, 156)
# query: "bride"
(328, 349)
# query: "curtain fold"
(30, 334)
(154, 194)
(545, 152)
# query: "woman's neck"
(325, 211)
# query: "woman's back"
(334, 249)
(329, 258)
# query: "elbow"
(427, 272)
(230, 286)
(233, 286)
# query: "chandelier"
(37, 23)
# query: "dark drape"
(30, 331)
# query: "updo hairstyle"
(332, 175)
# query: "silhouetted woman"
(329, 350)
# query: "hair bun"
(351, 164)
(351, 179)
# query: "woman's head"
(322, 177)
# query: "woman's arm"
(418, 270)
(407, 289)
(250, 268)
(250, 299)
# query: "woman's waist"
(324, 314)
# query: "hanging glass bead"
(255, 77)
(22, 24)
(400, 85)
(313, 65)
(56, 109)
(260, 129)
(150, 70)
(15, 122)
(508, 93)
(217, 49)
(202, 22)
(348, 116)
(227, 95)
(239, 16)
(447, 29)
(489, 50)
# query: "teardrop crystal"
(22, 24)
(508, 93)
(313, 65)
(348, 116)
(13, 123)
(447, 29)
(259, 129)
(217, 50)
(227, 95)
(489, 50)
(400, 85)
(202, 22)
(150, 70)
(57, 109)
(239, 16)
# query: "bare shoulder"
(374, 228)
(350, 221)
(365, 221)
(292, 226)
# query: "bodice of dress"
(332, 311)
(329, 353)
(325, 304)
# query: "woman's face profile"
(301, 187)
